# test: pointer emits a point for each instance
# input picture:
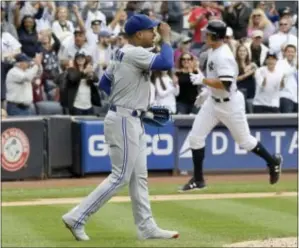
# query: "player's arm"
(145, 60)
(165, 59)
(224, 70)
(222, 82)
(217, 83)
(225, 73)
(106, 79)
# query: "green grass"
(201, 223)
(155, 189)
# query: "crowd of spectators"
(55, 52)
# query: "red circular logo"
(15, 149)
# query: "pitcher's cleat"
(159, 234)
(78, 233)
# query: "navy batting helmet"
(217, 28)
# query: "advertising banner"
(22, 149)
(94, 151)
(222, 153)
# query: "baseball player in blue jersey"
(225, 104)
(127, 83)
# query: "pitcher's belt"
(126, 111)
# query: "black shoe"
(275, 170)
(193, 185)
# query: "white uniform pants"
(231, 114)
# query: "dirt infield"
(90, 181)
(274, 242)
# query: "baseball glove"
(156, 116)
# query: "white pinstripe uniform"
(230, 110)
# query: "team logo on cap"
(15, 149)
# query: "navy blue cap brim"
(154, 24)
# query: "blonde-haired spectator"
(118, 23)
(62, 27)
(259, 21)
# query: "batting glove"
(197, 79)
(200, 99)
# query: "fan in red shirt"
(198, 18)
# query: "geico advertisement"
(223, 153)
(95, 152)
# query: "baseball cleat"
(275, 170)
(193, 185)
(78, 233)
(159, 234)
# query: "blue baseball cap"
(139, 22)
(104, 33)
(22, 57)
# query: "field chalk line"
(177, 197)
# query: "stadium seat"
(48, 108)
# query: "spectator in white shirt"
(91, 12)
(118, 23)
(166, 90)
(92, 34)
(257, 50)
(269, 82)
(10, 47)
(19, 79)
(62, 27)
(104, 52)
(78, 43)
(278, 41)
(289, 93)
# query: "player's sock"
(197, 157)
(261, 151)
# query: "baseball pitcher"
(127, 83)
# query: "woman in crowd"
(62, 27)
(78, 92)
(188, 91)
(184, 47)
(259, 21)
(166, 89)
(269, 82)
(246, 81)
(28, 36)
